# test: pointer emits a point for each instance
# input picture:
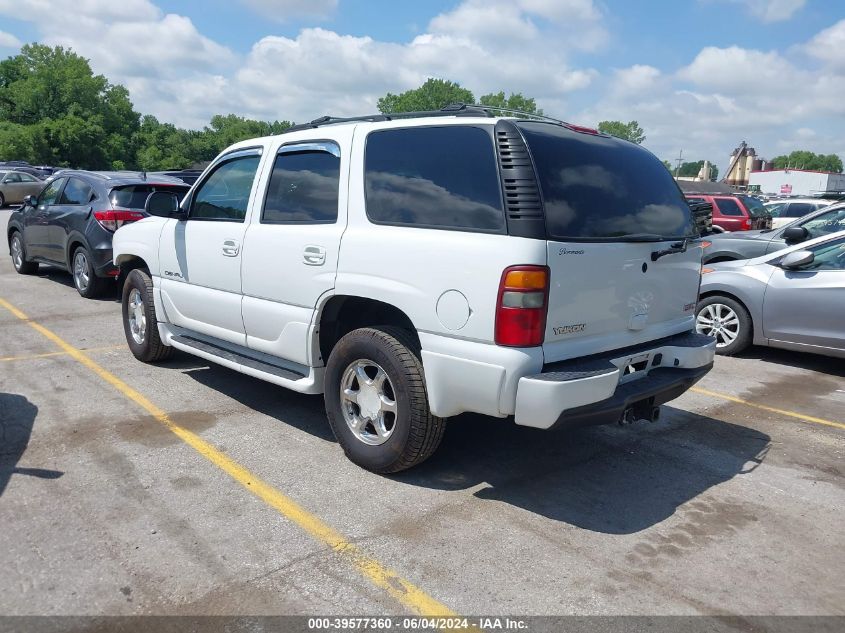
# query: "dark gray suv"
(726, 247)
(70, 224)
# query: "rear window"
(434, 177)
(135, 196)
(754, 206)
(597, 188)
(729, 206)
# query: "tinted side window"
(728, 206)
(51, 192)
(28, 178)
(828, 256)
(799, 209)
(13, 178)
(225, 193)
(76, 192)
(437, 177)
(303, 188)
(775, 210)
(825, 223)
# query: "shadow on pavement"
(610, 479)
(798, 360)
(17, 416)
(63, 277)
(289, 407)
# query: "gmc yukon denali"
(414, 267)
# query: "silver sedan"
(793, 298)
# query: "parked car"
(735, 213)
(418, 267)
(793, 298)
(748, 244)
(188, 176)
(71, 222)
(17, 185)
(784, 212)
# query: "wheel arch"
(340, 314)
(755, 322)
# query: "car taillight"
(113, 220)
(522, 305)
(747, 223)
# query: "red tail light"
(747, 223)
(522, 305)
(113, 220)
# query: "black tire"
(416, 433)
(86, 281)
(2, 201)
(150, 348)
(745, 328)
(22, 266)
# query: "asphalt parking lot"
(110, 506)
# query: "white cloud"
(282, 10)
(7, 40)
(829, 44)
(769, 11)
(738, 70)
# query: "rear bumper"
(601, 389)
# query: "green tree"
(68, 115)
(668, 166)
(803, 159)
(434, 94)
(691, 169)
(515, 102)
(630, 131)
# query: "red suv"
(735, 213)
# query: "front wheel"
(16, 247)
(139, 319)
(727, 321)
(376, 400)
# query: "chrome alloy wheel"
(368, 402)
(720, 322)
(80, 271)
(17, 252)
(137, 316)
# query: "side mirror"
(163, 204)
(795, 235)
(797, 259)
(30, 201)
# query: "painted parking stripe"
(763, 407)
(6, 359)
(400, 589)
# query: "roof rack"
(454, 109)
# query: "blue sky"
(699, 75)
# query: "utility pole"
(679, 159)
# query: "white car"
(785, 211)
(415, 268)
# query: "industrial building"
(795, 182)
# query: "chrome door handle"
(231, 248)
(314, 255)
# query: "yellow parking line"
(791, 414)
(4, 359)
(402, 590)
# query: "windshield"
(775, 209)
(597, 188)
(754, 206)
(135, 196)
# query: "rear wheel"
(19, 256)
(376, 400)
(2, 201)
(727, 321)
(139, 319)
(84, 278)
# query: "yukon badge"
(569, 329)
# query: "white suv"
(412, 268)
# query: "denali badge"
(566, 251)
(569, 329)
(168, 273)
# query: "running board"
(238, 358)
